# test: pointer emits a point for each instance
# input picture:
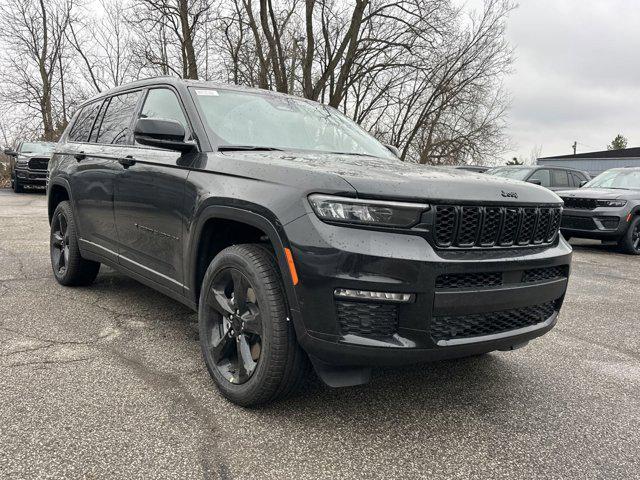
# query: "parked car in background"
(606, 208)
(553, 178)
(29, 163)
(297, 235)
(473, 168)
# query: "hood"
(594, 193)
(373, 177)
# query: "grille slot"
(472, 226)
(38, 163)
(468, 280)
(542, 274)
(367, 319)
(478, 325)
(580, 203)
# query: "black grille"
(542, 274)
(38, 163)
(579, 223)
(478, 325)
(367, 319)
(469, 226)
(580, 203)
(468, 280)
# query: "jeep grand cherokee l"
(297, 236)
(606, 208)
(29, 164)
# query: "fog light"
(378, 296)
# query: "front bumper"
(445, 319)
(601, 223)
(28, 176)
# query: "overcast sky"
(577, 75)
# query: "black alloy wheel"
(59, 244)
(247, 337)
(630, 242)
(69, 268)
(234, 330)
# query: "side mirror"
(393, 149)
(162, 133)
(10, 152)
(583, 183)
(535, 181)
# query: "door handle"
(127, 161)
(80, 156)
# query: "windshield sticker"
(207, 93)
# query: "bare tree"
(34, 30)
(168, 25)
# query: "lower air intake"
(367, 318)
(482, 324)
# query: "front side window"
(163, 103)
(82, 126)
(543, 176)
(516, 173)
(250, 119)
(115, 125)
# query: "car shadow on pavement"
(473, 384)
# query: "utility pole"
(574, 146)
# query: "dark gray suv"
(553, 178)
(606, 208)
(296, 235)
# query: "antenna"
(574, 146)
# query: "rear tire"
(69, 268)
(248, 341)
(630, 242)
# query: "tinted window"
(82, 126)
(543, 176)
(163, 103)
(559, 178)
(117, 119)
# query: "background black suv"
(553, 178)
(29, 164)
(606, 208)
(296, 235)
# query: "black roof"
(175, 81)
(622, 153)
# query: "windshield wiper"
(249, 148)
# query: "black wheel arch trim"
(223, 212)
(64, 183)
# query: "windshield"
(37, 147)
(272, 121)
(514, 173)
(624, 179)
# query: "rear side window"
(163, 103)
(115, 124)
(559, 178)
(82, 126)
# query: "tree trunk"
(187, 38)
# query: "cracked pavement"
(107, 382)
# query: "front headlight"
(366, 212)
(612, 203)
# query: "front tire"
(630, 242)
(69, 268)
(247, 339)
(17, 187)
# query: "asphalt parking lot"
(107, 382)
